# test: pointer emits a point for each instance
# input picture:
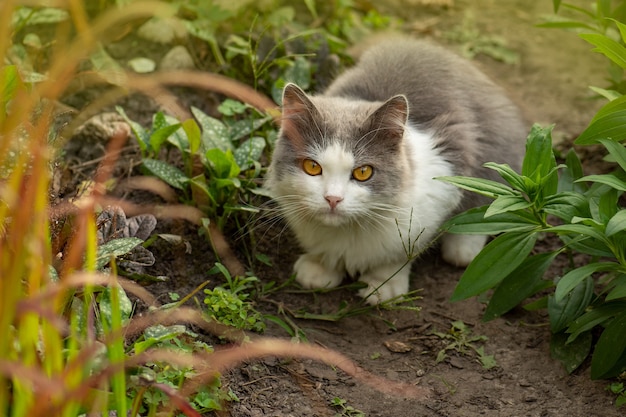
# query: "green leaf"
(608, 356)
(569, 308)
(497, 260)
(214, 133)
(506, 203)
(607, 179)
(9, 82)
(115, 248)
(159, 136)
(508, 174)
(571, 354)
(481, 186)
(618, 290)
(573, 278)
(595, 317)
(140, 133)
(616, 150)
(607, 47)
(473, 222)
(246, 127)
(573, 171)
(617, 223)
(609, 122)
(556, 4)
(222, 163)
(249, 152)
(168, 173)
(566, 205)
(520, 284)
(539, 159)
(194, 135)
(578, 229)
(299, 72)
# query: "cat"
(353, 168)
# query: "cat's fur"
(412, 111)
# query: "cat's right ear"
(296, 116)
(295, 101)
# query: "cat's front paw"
(380, 288)
(310, 273)
(460, 250)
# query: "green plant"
(231, 304)
(345, 410)
(461, 340)
(590, 221)
(221, 161)
(586, 213)
(619, 390)
(145, 382)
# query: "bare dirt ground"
(549, 82)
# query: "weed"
(461, 340)
(345, 410)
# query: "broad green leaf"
(573, 278)
(621, 27)
(249, 152)
(222, 163)
(179, 138)
(571, 354)
(617, 223)
(506, 203)
(607, 94)
(143, 138)
(168, 173)
(508, 174)
(583, 244)
(497, 260)
(617, 151)
(520, 284)
(194, 135)
(565, 205)
(159, 136)
(608, 356)
(9, 82)
(214, 133)
(578, 229)
(573, 170)
(473, 222)
(40, 16)
(299, 72)
(481, 186)
(106, 305)
(607, 179)
(246, 127)
(201, 194)
(618, 290)
(595, 317)
(115, 248)
(556, 4)
(570, 307)
(607, 47)
(609, 122)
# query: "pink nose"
(333, 200)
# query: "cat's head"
(336, 159)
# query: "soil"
(549, 82)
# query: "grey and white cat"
(353, 168)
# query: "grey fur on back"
(472, 119)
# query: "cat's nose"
(333, 200)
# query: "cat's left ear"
(391, 117)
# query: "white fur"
(352, 238)
(460, 250)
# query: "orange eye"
(363, 173)
(311, 167)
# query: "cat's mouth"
(333, 217)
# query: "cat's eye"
(311, 167)
(363, 173)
